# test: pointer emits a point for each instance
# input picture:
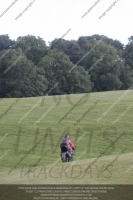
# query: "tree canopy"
(28, 67)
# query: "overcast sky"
(51, 19)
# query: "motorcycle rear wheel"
(65, 157)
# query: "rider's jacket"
(66, 142)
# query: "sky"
(50, 19)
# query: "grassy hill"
(100, 125)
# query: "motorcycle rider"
(66, 142)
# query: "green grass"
(90, 134)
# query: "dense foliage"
(28, 67)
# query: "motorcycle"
(65, 155)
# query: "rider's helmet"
(66, 137)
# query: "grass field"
(101, 129)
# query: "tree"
(19, 73)
(70, 48)
(101, 64)
(91, 63)
(128, 53)
(126, 76)
(6, 42)
(34, 48)
(57, 68)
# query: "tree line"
(29, 67)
